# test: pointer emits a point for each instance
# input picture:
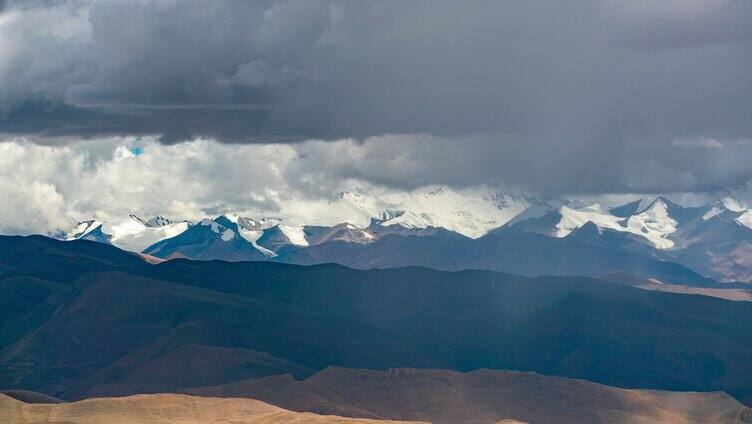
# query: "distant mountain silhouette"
(523, 253)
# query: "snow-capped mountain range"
(471, 213)
(713, 239)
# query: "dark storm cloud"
(581, 95)
(681, 24)
(550, 164)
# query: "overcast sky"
(582, 96)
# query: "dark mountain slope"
(30, 397)
(626, 210)
(207, 240)
(60, 261)
(181, 324)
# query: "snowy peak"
(663, 223)
(226, 222)
(575, 218)
(155, 222)
(158, 221)
(253, 224)
(128, 233)
(736, 209)
(468, 212)
(278, 236)
(721, 207)
(207, 239)
(509, 198)
(273, 239)
(729, 208)
(220, 225)
(733, 204)
(81, 229)
(281, 236)
(249, 229)
(653, 223)
(388, 215)
(295, 234)
(342, 232)
(647, 202)
(96, 234)
(741, 196)
(348, 195)
(745, 219)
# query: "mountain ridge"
(713, 240)
(183, 323)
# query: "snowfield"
(472, 213)
(132, 234)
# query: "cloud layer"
(46, 188)
(585, 96)
(265, 71)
